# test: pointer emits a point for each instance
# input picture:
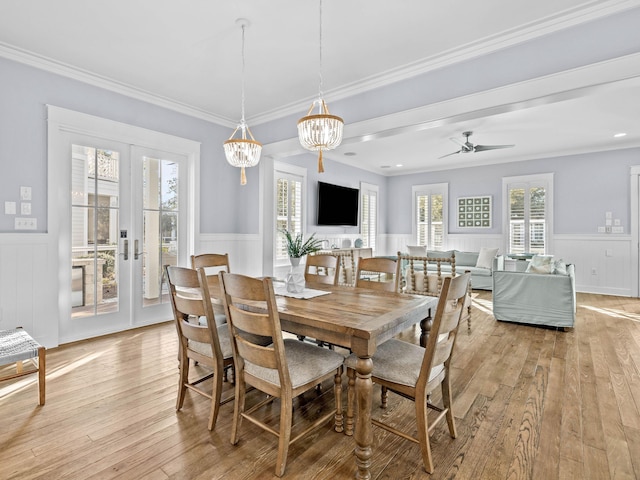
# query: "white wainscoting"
(29, 286)
(245, 251)
(609, 255)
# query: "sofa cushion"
(417, 250)
(432, 282)
(485, 257)
(541, 264)
(559, 267)
(438, 254)
(468, 259)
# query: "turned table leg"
(364, 432)
(425, 327)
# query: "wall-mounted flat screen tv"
(337, 205)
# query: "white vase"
(295, 277)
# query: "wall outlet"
(617, 229)
(608, 229)
(601, 230)
(608, 252)
(9, 208)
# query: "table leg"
(364, 432)
(425, 326)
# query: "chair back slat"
(213, 263)
(321, 269)
(443, 333)
(416, 274)
(249, 328)
(381, 268)
(196, 304)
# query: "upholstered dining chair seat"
(398, 362)
(305, 361)
(225, 344)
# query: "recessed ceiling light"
(399, 165)
(619, 135)
(350, 154)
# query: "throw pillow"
(559, 267)
(467, 259)
(541, 261)
(417, 250)
(541, 268)
(485, 257)
(439, 254)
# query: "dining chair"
(414, 372)
(284, 369)
(205, 343)
(16, 346)
(212, 264)
(378, 273)
(321, 269)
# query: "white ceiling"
(186, 56)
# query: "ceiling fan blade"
(481, 148)
(456, 141)
(449, 154)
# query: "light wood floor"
(531, 403)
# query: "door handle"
(136, 253)
(126, 250)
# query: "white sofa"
(535, 298)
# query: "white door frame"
(635, 229)
(62, 121)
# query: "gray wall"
(24, 93)
(585, 187)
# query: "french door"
(125, 209)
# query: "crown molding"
(568, 18)
(60, 68)
(591, 10)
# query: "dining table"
(358, 319)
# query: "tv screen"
(337, 205)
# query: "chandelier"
(320, 131)
(242, 152)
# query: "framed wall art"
(474, 212)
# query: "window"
(429, 213)
(528, 207)
(368, 214)
(289, 196)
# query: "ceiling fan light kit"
(468, 147)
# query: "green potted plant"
(297, 247)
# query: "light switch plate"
(25, 193)
(25, 208)
(22, 223)
(9, 208)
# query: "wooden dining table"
(359, 319)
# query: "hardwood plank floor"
(530, 403)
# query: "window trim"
(430, 189)
(371, 190)
(543, 179)
(280, 170)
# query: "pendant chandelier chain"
(321, 94)
(242, 121)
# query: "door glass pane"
(160, 227)
(94, 231)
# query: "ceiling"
(187, 56)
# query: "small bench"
(16, 345)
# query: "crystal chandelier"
(242, 152)
(320, 131)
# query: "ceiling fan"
(468, 147)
